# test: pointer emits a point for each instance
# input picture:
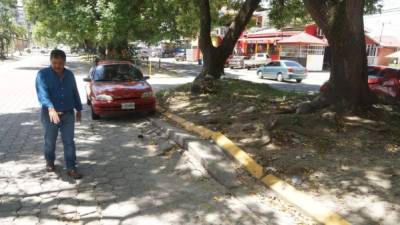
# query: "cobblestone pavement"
(127, 179)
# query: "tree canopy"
(9, 29)
(105, 22)
(101, 21)
(293, 12)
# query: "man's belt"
(64, 112)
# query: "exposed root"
(341, 107)
(205, 85)
(310, 107)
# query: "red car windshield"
(117, 72)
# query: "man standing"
(58, 95)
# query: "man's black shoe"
(74, 174)
(50, 167)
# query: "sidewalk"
(129, 177)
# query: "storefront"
(305, 49)
(263, 41)
(253, 46)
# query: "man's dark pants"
(66, 126)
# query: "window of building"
(302, 51)
(372, 50)
(315, 50)
(320, 33)
(291, 51)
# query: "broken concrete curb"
(211, 157)
(221, 168)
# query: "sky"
(388, 22)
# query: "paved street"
(309, 85)
(127, 178)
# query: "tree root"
(339, 106)
(313, 106)
(205, 85)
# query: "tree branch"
(319, 12)
(238, 25)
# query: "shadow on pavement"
(126, 178)
(79, 68)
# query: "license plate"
(128, 105)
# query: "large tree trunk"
(214, 57)
(342, 24)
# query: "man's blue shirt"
(54, 92)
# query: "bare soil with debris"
(350, 163)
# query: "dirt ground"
(350, 163)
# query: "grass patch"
(238, 89)
(246, 88)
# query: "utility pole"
(380, 37)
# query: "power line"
(383, 14)
(391, 9)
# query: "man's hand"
(78, 116)
(54, 118)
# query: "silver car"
(283, 70)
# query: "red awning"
(270, 40)
(302, 39)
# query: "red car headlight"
(103, 97)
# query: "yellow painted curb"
(245, 160)
(304, 202)
(200, 130)
(301, 200)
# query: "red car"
(115, 87)
(382, 80)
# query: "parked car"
(143, 53)
(257, 60)
(167, 53)
(386, 82)
(382, 80)
(156, 52)
(282, 70)
(180, 54)
(115, 87)
(35, 50)
(235, 62)
(65, 48)
(77, 50)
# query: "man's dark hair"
(58, 53)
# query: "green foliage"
(288, 12)
(293, 12)
(373, 6)
(105, 22)
(61, 21)
(9, 29)
(187, 15)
